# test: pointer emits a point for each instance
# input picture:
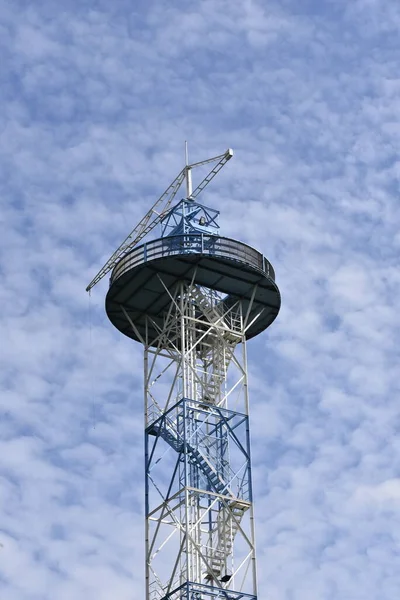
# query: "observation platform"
(222, 264)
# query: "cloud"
(97, 100)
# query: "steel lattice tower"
(193, 298)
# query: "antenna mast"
(188, 174)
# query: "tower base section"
(196, 591)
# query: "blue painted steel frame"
(191, 470)
(189, 217)
(196, 466)
(200, 591)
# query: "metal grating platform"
(145, 279)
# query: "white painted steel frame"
(200, 539)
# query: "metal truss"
(199, 514)
(189, 217)
(159, 210)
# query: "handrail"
(205, 244)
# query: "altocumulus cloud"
(97, 99)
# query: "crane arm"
(223, 159)
(147, 223)
(158, 211)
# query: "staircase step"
(173, 439)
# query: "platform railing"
(208, 245)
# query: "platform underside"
(146, 290)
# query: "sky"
(96, 101)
